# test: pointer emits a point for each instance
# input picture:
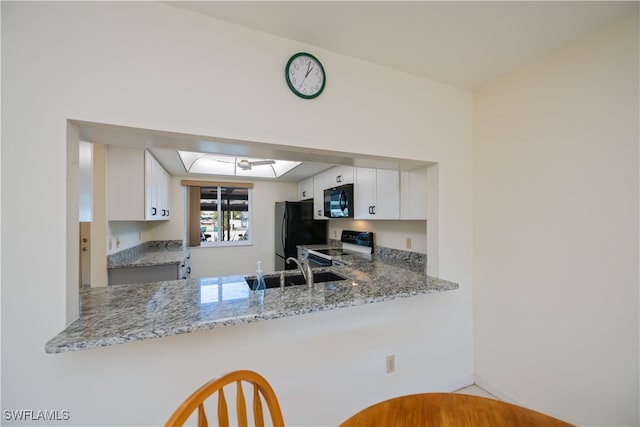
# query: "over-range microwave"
(338, 201)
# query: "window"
(219, 213)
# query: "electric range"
(353, 243)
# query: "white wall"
(556, 232)
(390, 234)
(148, 65)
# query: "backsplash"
(400, 255)
(397, 254)
(405, 235)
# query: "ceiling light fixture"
(218, 164)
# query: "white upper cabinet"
(320, 182)
(305, 189)
(413, 194)
(340, 175)
(137, 186)
(157, 183)
(376, 194)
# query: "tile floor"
(476, 391)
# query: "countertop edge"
(52, 348)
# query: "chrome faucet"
(302, 266)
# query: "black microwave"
(338, 201)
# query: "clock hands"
(309, 69)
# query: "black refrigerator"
(295, 226)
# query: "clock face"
(305, 75)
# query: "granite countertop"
(149, 254)
(123, 313)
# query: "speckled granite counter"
(124, 313)
(148, 254)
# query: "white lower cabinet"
(376, 194)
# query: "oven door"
(318, 261)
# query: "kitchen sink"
(273, 281)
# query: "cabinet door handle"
(373, 209)
(304, 194)
(188, 270)
(339, 179)
(168, 212)
(154, 211)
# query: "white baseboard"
(463, 382)
(491, 389)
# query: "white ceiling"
(464, 44)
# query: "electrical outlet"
(335, 234)
(139, 235)
(408, 242)
(117, 242)
(110, 244)
(391, 363)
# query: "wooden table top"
(448, 410)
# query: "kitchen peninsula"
(124, 313)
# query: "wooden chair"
(261, 390)
(448, 410)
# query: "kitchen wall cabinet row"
(378, 193)
(138, 187)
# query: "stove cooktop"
(331, 252)
(354, 243)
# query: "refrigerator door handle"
(282, 236)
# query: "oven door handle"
(318, 260)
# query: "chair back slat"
(261, 390)
(241, 406)
(223, 413)
(258, 417)
(202, 417)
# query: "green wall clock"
(305, 75)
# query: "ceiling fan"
(246, 165)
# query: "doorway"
(85, 255)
